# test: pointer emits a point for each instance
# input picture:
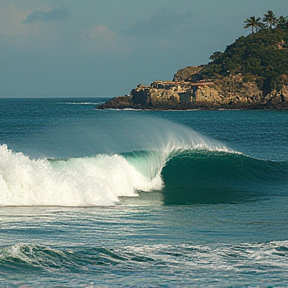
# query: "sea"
(127, 198)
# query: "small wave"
(184, 262)
(37, 257)
(82, 103)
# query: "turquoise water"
(92, 198)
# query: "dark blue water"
(93, 198)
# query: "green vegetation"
(270, 19)
(261, 56)
(253, 23)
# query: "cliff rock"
(227, 92)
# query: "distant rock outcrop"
(229, 92)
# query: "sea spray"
(114, 133)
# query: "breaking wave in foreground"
(183, 165)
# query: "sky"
(91, 48)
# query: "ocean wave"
(183, 175)
(98, 180)
(31, 257)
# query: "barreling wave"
(95, 180)
(184, 165)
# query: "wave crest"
(183, 176)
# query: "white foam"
(91, 181)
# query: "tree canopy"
(270, 19)
(254, 23)
(261, 56)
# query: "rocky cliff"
(230, 92)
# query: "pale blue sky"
(54, 48)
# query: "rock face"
(121, 102)
(230, 92)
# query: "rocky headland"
(228, 93)
(252, 73)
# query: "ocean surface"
(110, 198)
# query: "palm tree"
(282, 22)
(270, 19)
(254, 23)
